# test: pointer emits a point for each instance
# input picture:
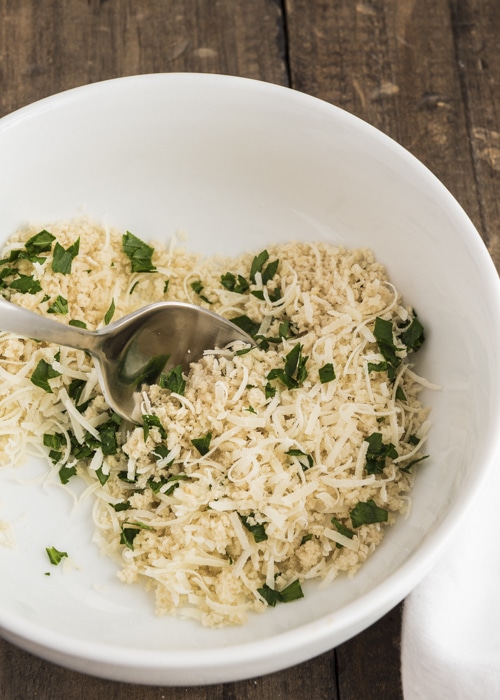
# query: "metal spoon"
(133, 351)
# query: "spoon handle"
(28, 324)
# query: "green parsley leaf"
(269, 272)
(123, 476)
(62, 259)
(26, 284)
(377, 366)
(129, 534)
(234, 284)
(172, 482)
(246, 324)
(270, 595)
(202, 444)
(413, 336)
(77, 324)
(75, 389)
(326, 373)
(173, 381)
(305, 460)
(65, 473)
(101, 476)
(152, 421)
(123, 505)
(258, 530)
(54, 441)
(41, 375)
(161, 452)
(365, 513)
(39, 243)
(55, 556)
(197, 288)
(295, 372)
(377, 453)
(400, 394)
(139, 253)
(407, 467)
(343, 530)
(60, 306)
(269, 391)
(109, 313)
(258, 263)
(107, 435)
(292, 592)
(383, 332)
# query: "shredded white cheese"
(248, 481)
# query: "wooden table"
(426, 72)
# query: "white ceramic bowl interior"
(238, 164)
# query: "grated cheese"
(206, 530)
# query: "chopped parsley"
(54, 441)
(77, 324)
(139, 253)
(268, 272)
(60, 306)
(258, 530)
(292, 592)
(246, 324)
(413, 336)
(234, 283)
(123, 505)
(129, 534)
(150, 421)
(63, 258)
(197, 288)
(173, 381)
(388, 335)
(407, 467)
(202, 444)
(39, 243)
(66, 472)
(55, 556)
(326, 373)
(294, 373)
(367, 512)
(305, 460)
(161, 451)
(26, 284)
(42, 373)
(109, 313)
(171, 482)
(343, 530)
(377, 453)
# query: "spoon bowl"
(131, 353)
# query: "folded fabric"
(451, 621)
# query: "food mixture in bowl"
(261, 469)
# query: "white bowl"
(238, 164)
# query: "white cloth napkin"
(451, 621)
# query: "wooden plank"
(49, 46)
(368, 664)
(476, 27)
(393, 64)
